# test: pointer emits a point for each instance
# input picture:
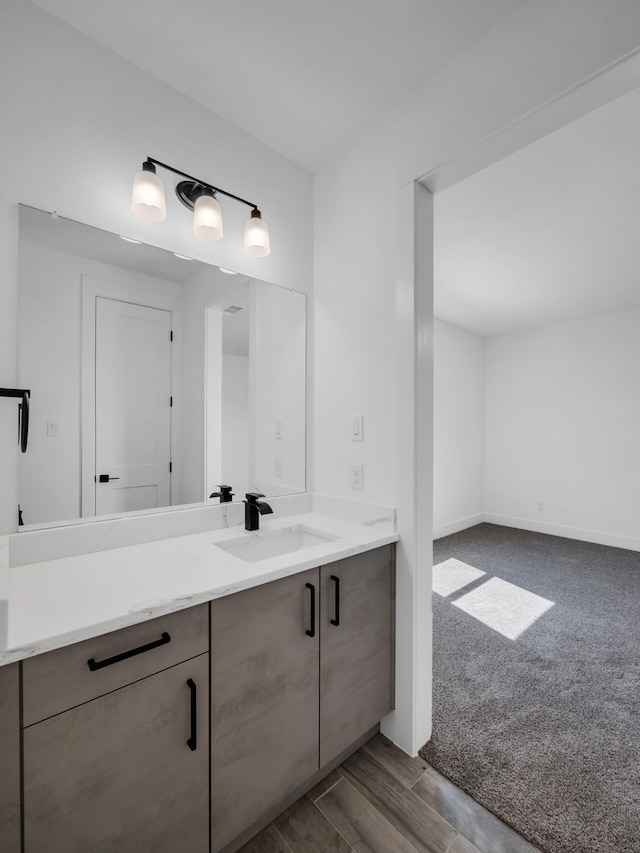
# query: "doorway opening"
(537, 552)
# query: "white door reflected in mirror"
(133, 407)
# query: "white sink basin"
(274, 543)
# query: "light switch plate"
(357, 427)
(53, 429)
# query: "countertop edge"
(249, 575)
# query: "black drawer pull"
(311, 632)
(94, 664)
(192, 743)
(336, 620)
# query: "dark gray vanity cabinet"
(187, 731)
(128, 769)
(264, 699)
(290, 690)
(356, 654)
(10, 759)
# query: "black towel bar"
(23, 412)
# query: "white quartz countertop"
(44, 606)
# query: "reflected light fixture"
(148, 202)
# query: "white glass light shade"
(207, 218)
(147, 199)
(256, 236)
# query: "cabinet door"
(117, 773)
(9, 759)
(264, 700)
(356, 654)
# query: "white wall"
(235, 423)
(548, 416)
(49, 363)
(201, 365)
(277, 388)
(563, 428)
(77, 122)
(362, 212)
(458, 429)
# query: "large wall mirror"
(154, 378)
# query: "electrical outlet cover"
(357, 478)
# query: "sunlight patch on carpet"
(452, 575)
(504, 607)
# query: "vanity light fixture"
(148, 202)
(227, 272)
(182, 257)
(131, 240)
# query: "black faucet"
(225, 494)
(253, 509)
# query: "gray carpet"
(544, 729)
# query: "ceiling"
(550, 233)
(302, 76)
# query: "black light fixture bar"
(201, 183)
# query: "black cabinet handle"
(94, 664)
(311, 632)
(192, 743)
(336, 620)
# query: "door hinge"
(171, 467)
(171, 335)
(171, 401)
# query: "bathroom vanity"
(200, 718)
(169, 681)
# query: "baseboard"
(598, 537)
(457, 526)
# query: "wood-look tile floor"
(382, 801)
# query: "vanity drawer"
(61, 679)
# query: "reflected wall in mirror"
(153, 378)
(259, 373)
